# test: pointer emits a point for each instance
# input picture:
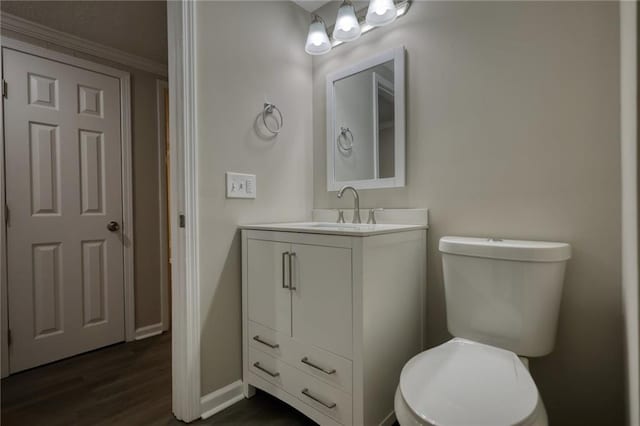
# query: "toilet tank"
(504, 293)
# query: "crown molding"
(46, 34)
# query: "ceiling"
(311, 5)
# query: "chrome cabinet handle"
(264, 342)
(292, 285)
(306, 393)
(305, 360)
(261, 368)
(284, 279)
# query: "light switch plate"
(241, 185)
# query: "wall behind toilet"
(513, 131)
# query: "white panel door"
(269, 297)
(63, 187)
(322, 297)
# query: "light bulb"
(347, 26)
(381, 12)
(317, 40)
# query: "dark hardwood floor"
(124, 384)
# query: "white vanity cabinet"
(329, 320)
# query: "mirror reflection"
(365, 125)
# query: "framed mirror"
(366, 123)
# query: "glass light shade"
(381, 12)
(347, 27)
(317, 40)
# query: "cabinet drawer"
(319, 363)
(268, 340)
(324, 365)
(321, 396)
(313, 392)
(268, 367)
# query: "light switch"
(241, 185)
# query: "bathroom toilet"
(502, 299)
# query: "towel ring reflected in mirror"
(345, 139)
(271, 109)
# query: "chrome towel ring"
(270, 109)
(345, 143)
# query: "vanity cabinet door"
(269, 296)
(322, 297)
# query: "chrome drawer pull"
(306, 393)
(264, 342)
(284, 279)
(305, 360)
(261, 368)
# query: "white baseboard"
(217, 401)
(148, 331)
(389, 420)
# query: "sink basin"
(353, 229)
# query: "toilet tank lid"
(494, 248)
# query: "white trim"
(389, 420)
(127, 171)
(59, 38)
(217, 401)
(161, 85)
(4, 312)
(397, 55)
(149, 331)
(183, 194)
(629, 163)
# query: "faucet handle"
(372, 216)
(340, 216)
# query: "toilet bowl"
(465, 383)
(502, 299)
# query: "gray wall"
(246, 52)
(513, 131)
(144, 24)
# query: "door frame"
(127, 186)
(185, 287)
(629, 177)
(161, 86)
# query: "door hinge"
(5, 88)
(7, 214)
(181, 221)
(8, 336)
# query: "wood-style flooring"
(124, 384)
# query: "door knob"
(113, 226)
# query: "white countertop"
(329, 228)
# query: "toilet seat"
(462, 382)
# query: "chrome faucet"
(356, 198)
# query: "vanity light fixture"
(401, 9)
(381, 12)
(351, 24)
(347, 27)
(317, 40)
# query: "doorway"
(69, 242)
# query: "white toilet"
(502, 298)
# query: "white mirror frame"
(397, 56)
